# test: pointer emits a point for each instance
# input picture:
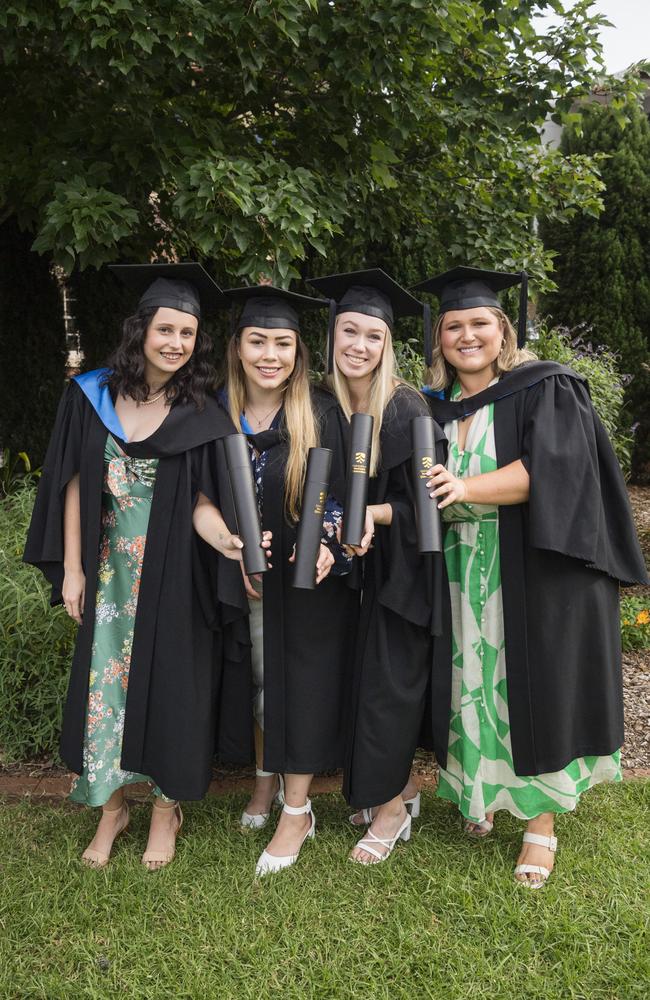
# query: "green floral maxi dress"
(480, 775)
(126, 504)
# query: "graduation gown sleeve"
(44, 546)
(578, 503)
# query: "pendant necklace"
(260, 420)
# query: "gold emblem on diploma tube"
(320, 506)
(360, 460)
(426, 466)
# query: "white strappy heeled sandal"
(255, 821)
(268, 863)
(367, 842)
(412, 806)
(550, 843)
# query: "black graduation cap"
(185, 287)
(470, 287)
(373, 293)
(270, 308)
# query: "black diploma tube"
(243, 491)
(427, 515)
(356, 492)
(310, 529)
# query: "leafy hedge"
(607, 384)
(35, 644)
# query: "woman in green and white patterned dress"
(476, 351)
(480, 777)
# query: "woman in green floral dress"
(478, 360)
(132, 447)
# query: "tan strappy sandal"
(98, 859)
(162, 858)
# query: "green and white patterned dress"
(126, 504)
(480, 775)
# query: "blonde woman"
(296, 687)
(401, 592)
(538, 536)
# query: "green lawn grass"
(443, 919)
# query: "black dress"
(401, 614)
(563, 555)
(308, 636)
(176, 653)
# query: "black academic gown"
(174, 672)
(308, 637)
(401, 613)
(563, 555)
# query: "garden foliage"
(35, 644)
(266, 135)
(603, 267)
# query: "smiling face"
(168, 344)
(358, 344)
(471, 339)
(267, 357)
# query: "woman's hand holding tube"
(446, 487)
(505, 486)
(210, 525)
(381, 513)
(324, 562)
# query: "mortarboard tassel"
(428, 335)
(233, 319)
(523, 310)
(330, 336)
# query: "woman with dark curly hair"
(132, 446)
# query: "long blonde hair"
(299, 419)
(441, 373)
(383, 383)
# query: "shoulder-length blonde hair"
(299, 419)
(384, 381)
(441, 373)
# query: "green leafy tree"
(266, 136)
(603, 266)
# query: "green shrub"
(410, 362)
(35, 644)
(607, 384)
(635, 623)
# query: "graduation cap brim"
(270, 308)
(472, 287)
(335, 286)
(340, 287)
(139, 278)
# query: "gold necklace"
(260, 420)
(152, 399)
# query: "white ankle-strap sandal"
(367, 842)
(481, 828)
(551, 844)
(255, 821)
(412, 806)
(268, 863)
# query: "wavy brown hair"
(190, 384)
(441, 373)
(299, 421)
